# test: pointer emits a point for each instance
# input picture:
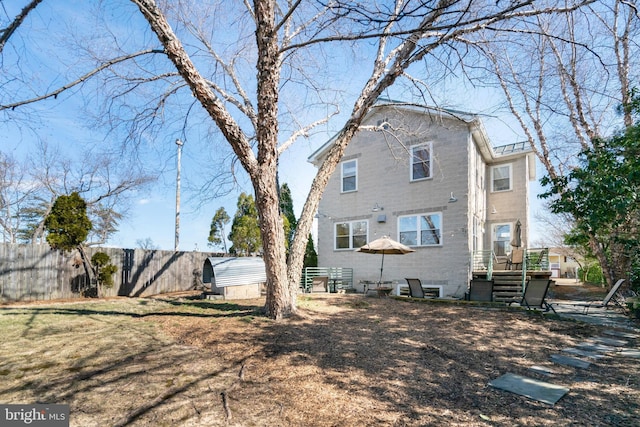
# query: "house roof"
(474, 122)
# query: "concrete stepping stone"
(621, 334)
(631, 352)
(610, 341)
(570, 361)
(533, 389)
(589, 346)
(543, 370)
(584, 353)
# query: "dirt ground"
(344, 360)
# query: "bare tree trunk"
(88, 269)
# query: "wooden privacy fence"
(37, 272)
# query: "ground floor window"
(351, 235)
(501, 238)
(420, 230)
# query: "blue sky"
(152, 211)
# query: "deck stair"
(507, 285)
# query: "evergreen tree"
(216, 232)
(310, 255)
(602, 196)
(245, 229)
(286, 207)
(67, 224)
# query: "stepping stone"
(589, 346)
(584, 353)
(621, 334)
(531, 388)
(570, 361)
(633, 353)
(611, 341)
(543, 370)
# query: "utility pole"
(177, 236)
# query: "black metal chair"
(480, 290)
(415, 288)
(535, 294)
(586, 305)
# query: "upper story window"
(351, 235)
(421, 161)
(501, 178)
(349, 176)
(421, 230)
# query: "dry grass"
(345, 360)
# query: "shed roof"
(236, 271)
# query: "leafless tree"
(256, 81)
(564, 76)
(28, 190)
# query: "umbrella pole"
(381, 268)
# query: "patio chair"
(515, 258)
(415, 288)
(480, 290)
(586, 305)
(536, 260)
(535, 294)
(320, 284)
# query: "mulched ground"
(344, 360)
(347, 360)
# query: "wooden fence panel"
(37, 272)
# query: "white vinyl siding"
(420, 230)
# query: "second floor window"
(351, 235)
(421, 230)
(349, 176)
(501, 178)
(421, 161)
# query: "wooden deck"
(507, 284)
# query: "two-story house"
(430, 179)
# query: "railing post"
(524, 269)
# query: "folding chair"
(586, 305)
(515, 258)
(480, 290)
(535, 294)
(415, 288)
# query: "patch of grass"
(360, 304)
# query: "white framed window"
(349, 176)
(351, 235)
(501, 178)
(421, 161)
(420, 230)
(501, 238)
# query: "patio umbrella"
(517, 235)
(385, 246)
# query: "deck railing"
(339, 277)
(486, 263)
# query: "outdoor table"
(384, 291)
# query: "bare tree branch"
(7, 32)
(79, 80)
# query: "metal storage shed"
(234, 278)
